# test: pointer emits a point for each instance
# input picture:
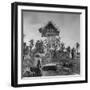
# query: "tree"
(24, 48)
(39, 46)
(68, 50)
(73, 53)
(31, 45)
(77, 46)
(62, 46)
(45, 43)
(57, 43)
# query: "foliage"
(31, 46)
(68, 49)
(25, 49)
(62, 47)
(77, 46)
(31, 43)
(39, 46)
(56, 45)
(73, 52)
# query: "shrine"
(50, 32)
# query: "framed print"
(49, 44)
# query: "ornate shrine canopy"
(49, 30)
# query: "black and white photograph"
(49, 44)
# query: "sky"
(67, 23)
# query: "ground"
(63, 67)
(65, 70)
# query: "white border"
(82, 48)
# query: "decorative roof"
(49, 30)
